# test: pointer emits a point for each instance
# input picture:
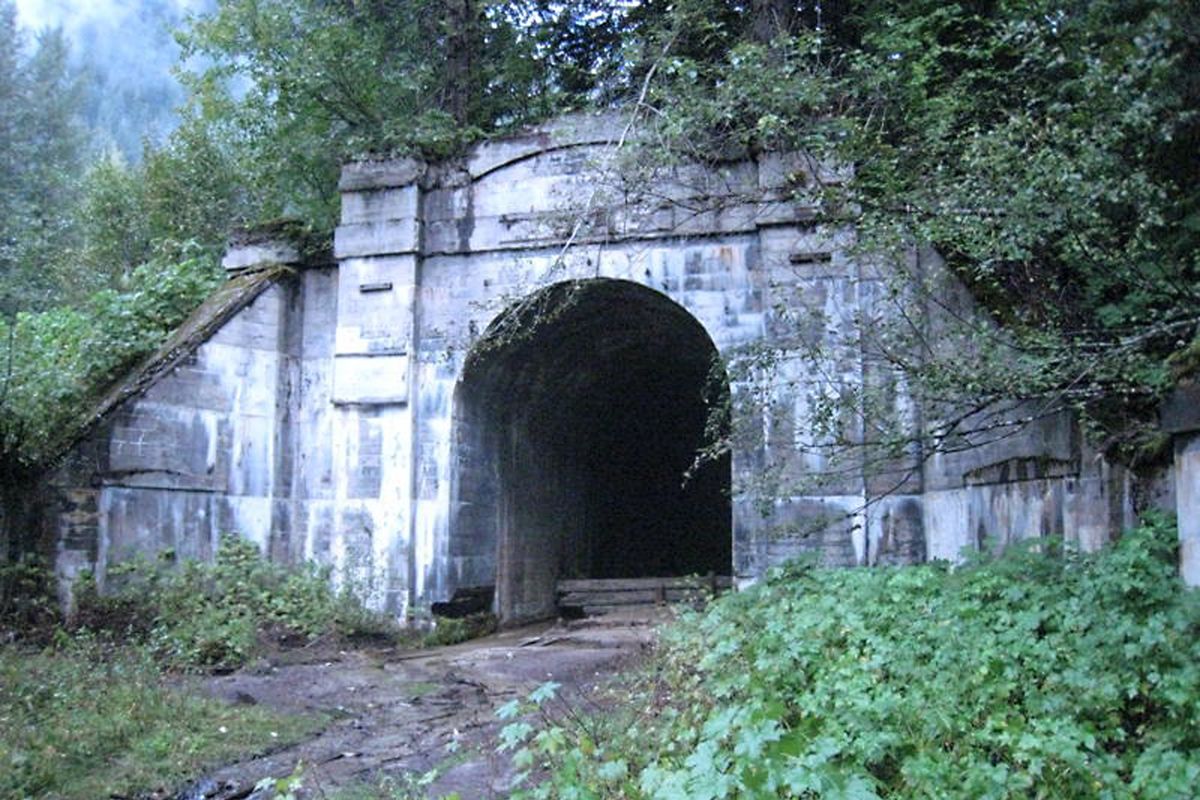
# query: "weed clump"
(455, 630)
(218, 615)
(1032, 674)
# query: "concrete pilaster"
(1187, 503)
(1180, 416)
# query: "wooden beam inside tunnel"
(599, 595)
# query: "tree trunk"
(21, 517)
(463, 38)
(770, 19)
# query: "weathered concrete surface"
(187, 446)
(1181, 417)
(1187, 493)
(379, 414)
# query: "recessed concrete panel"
(379, 206)
(375, 306)
(370, 379)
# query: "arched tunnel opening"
(578, 421)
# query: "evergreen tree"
(41, 154)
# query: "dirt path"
(397, 713)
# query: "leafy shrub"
(214, 615)
(28, 607)
(55, 363)
(1036, 674)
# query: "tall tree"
(296, 86)
(1045, 149)
(41, 155)
(11, 96)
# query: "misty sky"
(75, 14)
(126, 49)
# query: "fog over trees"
(123, 52)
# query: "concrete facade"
(498, 338)
(1180, 416)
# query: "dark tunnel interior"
(576, 436)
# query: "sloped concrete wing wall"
(204, 450)
(379, 414)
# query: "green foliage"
(28, 607)
(68, 228)
(1034, 674)
(97, 265)
(95, 716)
(1044, 149)
(294, 87)
(178, 202)
(453, 630)
(41, 154)
(86, 720)
(54, 363)
(1050, 143)
(116, 235)
(217, 615)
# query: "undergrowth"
(86, 719)
(1036, 674)
(96, 708)
(28, 606)
(219, 615)
(455, 630)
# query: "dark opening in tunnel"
(578, 418)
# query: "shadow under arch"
(577, 417)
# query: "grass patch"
(1037, 674)
(87, 720)
(101, 710)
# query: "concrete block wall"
(326, 420)
(197, 454)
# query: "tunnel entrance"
(579, 413)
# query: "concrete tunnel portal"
(578, 420)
